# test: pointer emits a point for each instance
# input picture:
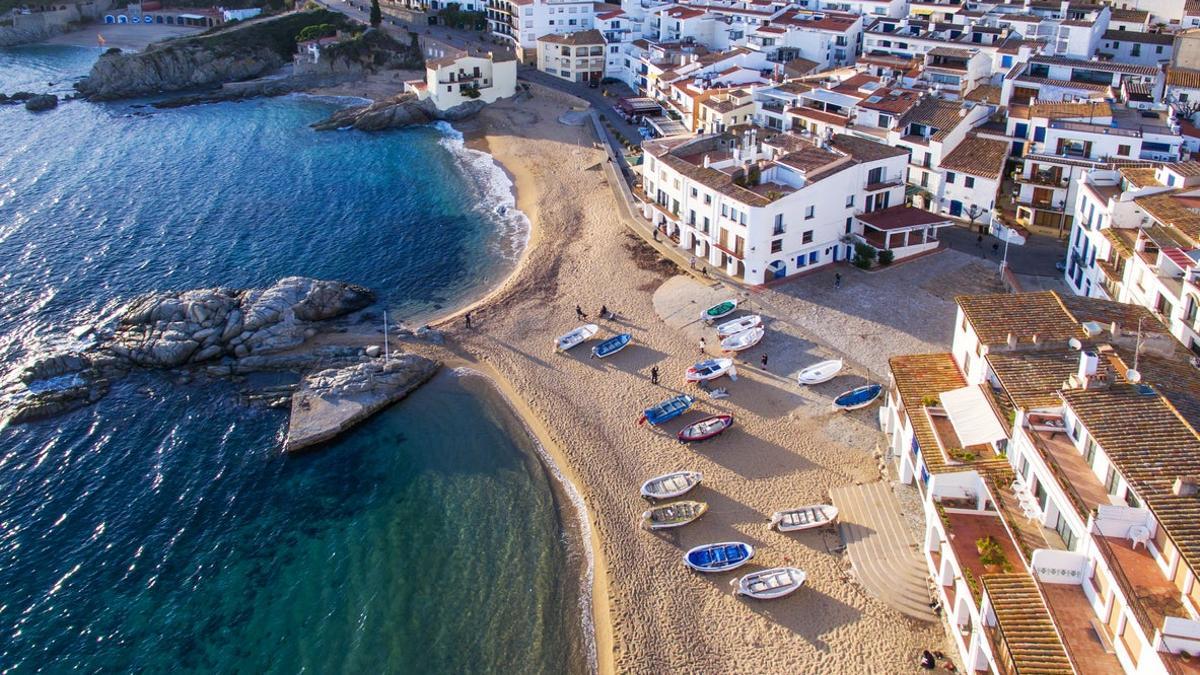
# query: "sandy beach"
(787, 449)
(126, 37)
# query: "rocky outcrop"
(227, 331)
(11, 36)
(402, 111)
(41, 102)
(333, 400)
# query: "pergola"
(900, 226)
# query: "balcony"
(965, 532)
(1070, 470)
(883, 183)
(1086, 637)
(1044, 180)
(1152, 596)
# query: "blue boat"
(718, 557)
(611, 346)
(668, 409)
(858, 398)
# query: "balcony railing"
(882, 183)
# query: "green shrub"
(886, 257)
(322, 30)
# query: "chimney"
(1115, 329)
(1011, 341)
(707, 161)
(1035, 339)
(1185, 487)
(1089, 360)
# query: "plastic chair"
(1138, 534)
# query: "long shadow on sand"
(808, 613)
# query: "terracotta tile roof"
(1106, 312)
(937, 113)
(1055, 110)
(1024, 315)
(1095, 90)
(977, 156)
(1133, 15)
(581, 37)
(1140, 176)
(918, 376)
(1122, 240)
(900, 217)
(1151, 445)
(1188, 169)
(984, 92)
(1169, 211)
(1139, 36)
(1183, 77)
(1033, 379)
(1190, 8)
(893, 100)
(1021, 615)
(863, 150)
(1103, 66)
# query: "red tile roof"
(901, 217)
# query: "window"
(969, 181)
(810, 212)
(742, 217)
(1089, 453)
(1183, 97)
(705, 230)
(707, 199)
(1113, 482)
(807, 237)
(695, 192)
(1123, 150)
(1132, 500)
(778, 226)
(849, 224)
(776, 245)
(950, 177)
(849, 201)
(725, 210)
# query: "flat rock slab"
(331, 401)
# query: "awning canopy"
(666, 126)
(972, 415)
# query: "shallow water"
(162, 529)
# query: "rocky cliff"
(226, 331)
(401, 111)
(232, 54)
(11, 37)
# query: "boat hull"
(740, 342)
(685, 481)
(684, 513)
(577, 337)
(772, 583)
(738, 325)
(708, 370)
(804, 518)
(705, 429)
(821, 372)
(612, 346)
(722, 557)
(858, 398)
(719, 311)
(668, 409)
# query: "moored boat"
(820, 372)
(577, 336)
(743, 340)
(612, 345)
(706, 428)
(671, 485)
(804, 518)
(667, 410)
(738, 325)
(859, 397)
(675, 514)
(773, 583)
(719, 310)
(708, 369)
(719, 557)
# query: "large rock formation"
(11, 36)
(331, 401)
(234, 330)
(401, 111)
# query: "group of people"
(604, 313)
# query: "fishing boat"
(706, 428)
(667, 410)
(708, 369)
(719, 310)
(675, 514)
(612, 345)
(804, 518)
(743, 340)
(719, 557)
(773, 583)
(671, 485)
(738, 325)
(859, 397)
(577, 336)
(820, 372)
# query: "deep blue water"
(162, 529)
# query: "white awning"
(972, 416)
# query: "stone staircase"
(886, 560)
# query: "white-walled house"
(457, 79)
(575, 57)
(522, 22)
(761, 209)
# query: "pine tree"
(376, 14)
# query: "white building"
(574, 57)
(522, 22)
(459, 78)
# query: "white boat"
(671, 485)
(743, 340)
(804, 518)
(708, 369)
(738, 325)
(821, 372)
(772, 583)
(578, 336)
(675, 514)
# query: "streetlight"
(993, 216)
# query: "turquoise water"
(162, 529)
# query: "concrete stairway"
(886, 560)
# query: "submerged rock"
(333, 400)
(394, 113)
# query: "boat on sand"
(804, 518)
(671, 485)
(708, 369)
(820, 372)
(705, 428)
(667, 410)
(738, 325)
(612, 345)
(577, 336)
(773, 583)
(743, 340)
(719, 310)
(719, 557)
(675, 514)
(859, 397)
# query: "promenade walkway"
(885, 559)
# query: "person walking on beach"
(654, 375)
(467, 319)
(701, 344)
(604, 312)
(692, 262)
(579, 313)
(763, 361)
(837, 280)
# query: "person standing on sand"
(654, 375)
(692, 262)
(701, 344)
(467, 319)
(579, 313)
(763, 361)
(837, 280)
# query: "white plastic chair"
(1138, 534)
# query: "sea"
(162, 529)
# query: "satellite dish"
(1075, 344)
(1133, 376)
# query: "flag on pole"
(100, 39)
